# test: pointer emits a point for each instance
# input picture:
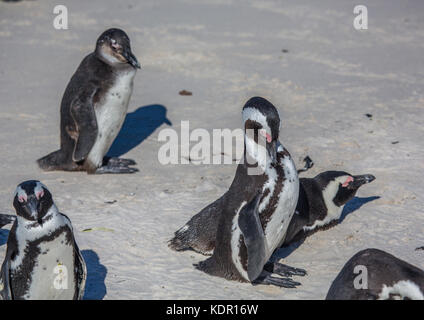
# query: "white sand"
(224, 52)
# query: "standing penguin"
(256, 210)
(321, 201)
(93, 109)
(42, 259)
(380, 276)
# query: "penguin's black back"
(310, 207)
(91, 80)
(382, 269)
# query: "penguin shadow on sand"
(354, 205)
(349, 207)
(138, 126)
(95, 288)
(4, 235)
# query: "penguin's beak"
(32, 206)
(132, 60)
(362, 179)
(272, 151)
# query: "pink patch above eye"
(268, 138)
(266, 135)
(39, 195)
(346, 183)
(22, 198)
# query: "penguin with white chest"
(42, 259)
(94, 107)
(321, 202)
(377, 275)
(256, 210)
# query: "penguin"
(93, 109)
(321, 202)
(42, 259)
(373, 274)
(256, 210)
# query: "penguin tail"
(53, 161)
(6, 219)
(180, 242)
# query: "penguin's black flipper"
(81, 273)
(6, 219)
(5, 291)
(80, 265)
(85, 130)
(254, 238)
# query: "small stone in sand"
(185, 93)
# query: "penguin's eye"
(346, 183)
(22, 198)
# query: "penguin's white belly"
(276, 228)
(110, 115)
(53, 276)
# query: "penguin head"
(339, 187)
(113, 47)
(262, 128)
(32, 200)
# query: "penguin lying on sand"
(42, 259)
(94, 107)
(321, 202)
(255, 212)
(385, 277)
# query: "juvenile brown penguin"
(93, 108)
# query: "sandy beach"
(305, 57)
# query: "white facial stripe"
(256, 115)
(38, 190)
(258, 152)
(403, 288)
(22, 196)
(333, 212)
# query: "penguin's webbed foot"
(279, 282)
(284, 270)
(115, 169)
(115, 161)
